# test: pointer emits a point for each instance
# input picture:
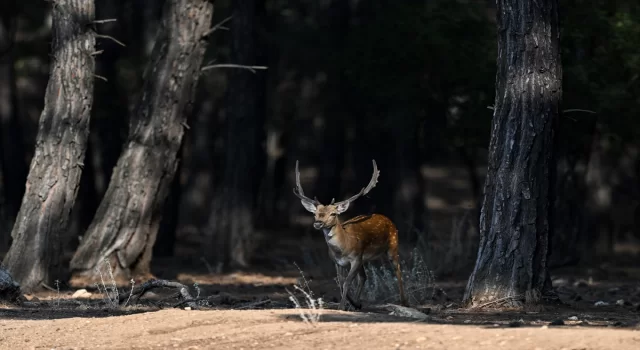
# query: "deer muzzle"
(318, 225)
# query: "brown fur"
(358, 240)
(355, 241)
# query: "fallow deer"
(353, 242)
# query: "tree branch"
(110, 38)
(252, 69)
(154, 284)
(218, 26)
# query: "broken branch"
(218, 26)
(154, 284)
(252, 69)
(100, 21)
(110, 38)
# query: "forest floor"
(252, 310)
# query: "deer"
(353, 242)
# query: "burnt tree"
(515, 220)
(56, 167)
(230, 229)
(125, 226)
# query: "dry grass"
(382, 285)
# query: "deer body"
(355, 241)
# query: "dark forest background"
(409, 83)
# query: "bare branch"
(96, 53)
(186, 126)
(100, 21)
(100, 77)
(572, 110)
(110, 38)
(578, 110)
(252, 69)
(153, 284)
(218, 26)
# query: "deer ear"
(309, 206)
(342, 207)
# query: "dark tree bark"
(165, 245)
(14, 164)
(54, 176)
(230, 229)
(126, 224)
(511, 266)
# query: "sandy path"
(281, 329)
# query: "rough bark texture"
(54, 175)
(515, 219)
(126, 224)
(165, 244)
(230, 230)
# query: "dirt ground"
(282, 329)
(252, 311)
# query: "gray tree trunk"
(54, 175)
(515, 219)
(126, 224)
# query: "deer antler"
(372, 184)
(299, 192)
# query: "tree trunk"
(171, 212)
(126, 224)
(511, 266)
(230, 230)
(54, 176)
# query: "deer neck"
(334, 233)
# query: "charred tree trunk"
(54, 176)
(14, 164)
(171, 213)
(126, 224)
(511, 266)
(230, 230)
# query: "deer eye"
(333, 214)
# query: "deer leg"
(341, 272)
(362, 278)
(395, 260)
(355, 266)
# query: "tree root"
(139, 291)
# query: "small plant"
(197, 288)
(111, 294)
(57, 282)
(133, 284)
(314, 306)
(312, 316)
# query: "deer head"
(326, 216)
